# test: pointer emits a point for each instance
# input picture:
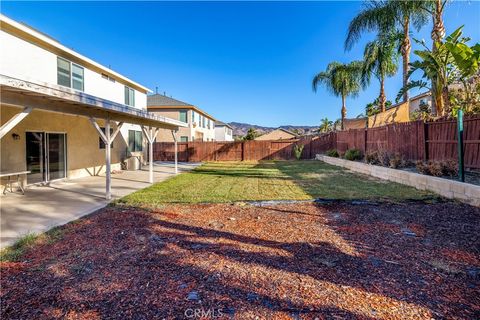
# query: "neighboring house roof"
(40, 39)
(162, 102)
(421, 95)
(158, 100)
(271, 135)
(222, 124)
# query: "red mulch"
(290, 261)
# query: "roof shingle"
(161, 100)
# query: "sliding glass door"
(46, 156)
(56, 156)
(36, 157)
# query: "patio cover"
(29, 95)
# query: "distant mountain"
(240, 129)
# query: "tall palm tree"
(342, 80)
(383, 16)
(381, 59)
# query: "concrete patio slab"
(44, 207)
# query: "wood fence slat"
(414, 140)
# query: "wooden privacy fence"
(417, 140)
(413, 140)
(236, 151)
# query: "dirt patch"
(279, 261)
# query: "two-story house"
(223, 131)
(60, 109)
(200, 125)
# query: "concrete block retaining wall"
(450, 189)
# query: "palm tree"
(325, 125)
(380, 59)
(383, 16)
(342, 80)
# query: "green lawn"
(270, 180)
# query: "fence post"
(365, 142)
(243, 150)
(425, 142)
(461, 169)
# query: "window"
(77, 77)
(63, 72)
(101, 144)
(193, 116)
(135, 141)
(129, 96)
(208, 123)
(70, 74)
(183, 115)
(183, 139)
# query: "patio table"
(10, 181)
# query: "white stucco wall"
(24, 60)
(208, 133)
(223, 133)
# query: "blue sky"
(246, 62)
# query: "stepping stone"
(216, 225)
(196, 246)
(408, 232)
(193, 296)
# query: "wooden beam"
(99, 130)
(108, 180)
(174, 134)
(16, 119)
(117, 130)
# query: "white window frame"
(133, 92)
(71, 74)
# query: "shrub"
(450, 168)
(333, 153)
(353, 154)
(438, 168)
(297, 150)
(397, 161)
(372, 157)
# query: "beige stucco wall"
(396, 114)
(84, 157)
(276, 135)
(355, 123)
(193, 132)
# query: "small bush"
(333, 153)
(384, 158)
(450, 168)
(372, 157)
(397, 161)
(297, 150)
(438, 168)
(353, 154)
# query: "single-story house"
(277, 134)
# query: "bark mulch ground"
(287, 261)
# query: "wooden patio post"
(108, 152)
(150, 134)
(107, 139)
(174, 134)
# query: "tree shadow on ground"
(124, 262)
